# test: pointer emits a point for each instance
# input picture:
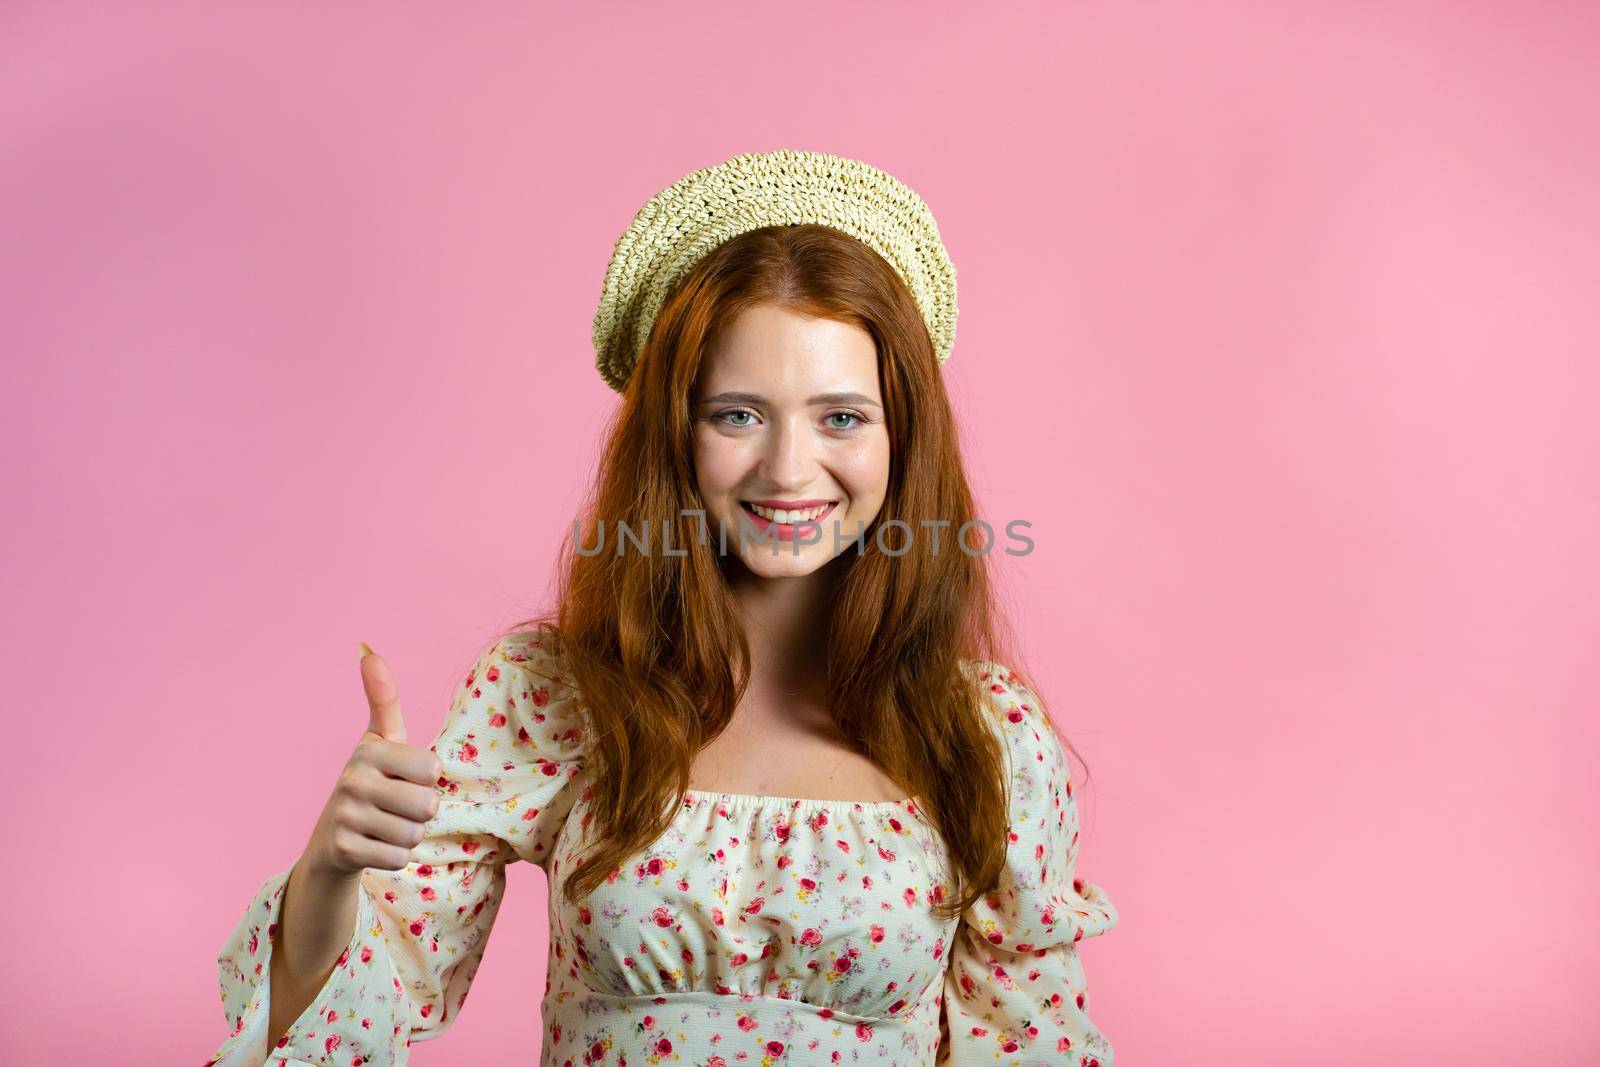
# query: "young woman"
(793, 805)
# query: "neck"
(786, 621)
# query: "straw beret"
(682, 223)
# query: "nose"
(789, 458)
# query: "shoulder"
(521, 686)
(1018, 715)
(536, 653)
(1008, 699)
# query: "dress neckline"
(808, 803)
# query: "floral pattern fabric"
(758, 930)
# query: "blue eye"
(726, 417)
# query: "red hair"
(903, 630)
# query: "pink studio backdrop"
(1278, 323)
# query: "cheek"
(865, 469)
(717, 464)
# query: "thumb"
(383, 697)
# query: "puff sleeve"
(510, 746)
(1014, 990)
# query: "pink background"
(1278, 323)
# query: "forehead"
(782, 353)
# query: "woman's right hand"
(385, 795)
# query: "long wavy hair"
(899, 631)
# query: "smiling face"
(789, 425)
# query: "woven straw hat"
(682, 223)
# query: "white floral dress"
(759, 930)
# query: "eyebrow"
(820, 398)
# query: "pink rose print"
(755, 936)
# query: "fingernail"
(366, 650)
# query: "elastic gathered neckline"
(808, 803)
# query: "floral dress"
(759, 930)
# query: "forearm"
(316, 920)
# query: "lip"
(787, 531)
(791, 505)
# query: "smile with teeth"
(788, 517)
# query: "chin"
(763, 563)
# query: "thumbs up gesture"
(385, 795)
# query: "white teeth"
(780, 515)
